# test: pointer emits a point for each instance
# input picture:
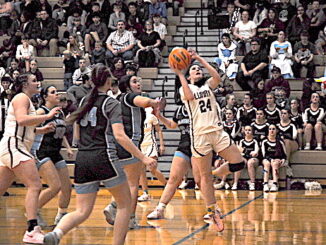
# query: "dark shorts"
(125, 157)
(45, 156)
(185, 145)
(94, 167)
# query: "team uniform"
(288, 131)
(246, 116)
(260, 131)
(182, 119)
(133, 118)
(233, 128)
(223, 110)
(97, 160)
(17, 140)
(4, 104)
(297, 120)
(312, 117)
(206, 129)
(269, 150)
(248, 147)
(273, 116)
(149, 146)
(47, 147)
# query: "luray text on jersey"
(202, 94)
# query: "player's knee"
(235, 167)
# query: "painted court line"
(206, 225)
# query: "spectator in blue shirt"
(158, 7)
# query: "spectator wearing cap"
(253, 66)
(299, 23)
(120, 43)
(69, 64)
(281, 55)
(277, 81)
(303, 56)
(82, 70)
(97, 32)
(115, 17)
(160, 28)
(157, 7)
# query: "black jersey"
(288, 131)
(273, 150)
(248, 147)
(51, 142)
(297, 120)
(182, 119)
(246, 116)
(260, 131)
(4, 105)
(232, 128)
(96, 126)
(133, 117)
(223, 110)
(312, 117)
(273, 116)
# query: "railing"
(199, 11)
(164, 93)
(196, 30)
(185, 43)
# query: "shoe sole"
(156, 218)
(218, 223)
(108, 217)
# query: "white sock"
(161, 205)
(59, 232)
(318, 144)
(308, 144)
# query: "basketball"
(179, 58)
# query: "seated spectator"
(25, 53)
(45, 34)
(281, 55)
(35, 71)
(149, 54)
(118, 68)
(23, 28)
(134, 22)
(317, 19)
(79, 90)
(296, 118)
(277, 81)
(253, 66)
(288, 132)
(286, 11)
(5, 10)
(303, 56)
(309, 87)
(44, 5)
(247, 112)
(299, 23)
(131, 69)
(281, 100)
(105, 9)
(78, 31)
(77, 14)
(260, 126)
(114, 92)
(249, 148)
(14, 65)
(224, 88)
(82, 70)
(160, 28)
(69, 64)
(7, 53)
(157, 7)
(75, 47)
(226, 56)
(97, 32)
(120, 43)
(15, 74)
(258, 95)
(60, 12)
(233, 17)
(312, 120)
(261, 11)
(230, 104)
(270, 27)
(244, 31)
(274, 156)
(321, 42)
(272, 113)
(115, 17)
(5, 97)
(95, 9)
(245, 5)
(143, 9)
(98, 54)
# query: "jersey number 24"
(204, 107)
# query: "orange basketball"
(179, 58)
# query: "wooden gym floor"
(287, 217)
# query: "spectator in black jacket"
(45, 34)
(69, 63)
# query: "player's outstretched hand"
(149, 162)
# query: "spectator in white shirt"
(25, 53)
(82, 70)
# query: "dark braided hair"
(124, 83)
(100, 74)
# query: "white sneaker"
(227, 186)
(196, 187)
(318, 148)
(35, 236)
(58, 218)
(133, 223)
(110, 212)
(234, 187)
(182, 185)
(251, 186)
(219, 186)
(144, 197)
(266, 188)
(307, 147)
(274, 188)
(158, 213)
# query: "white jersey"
(149, 130)
(24, 134)
(203, 112)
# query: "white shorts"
(13, 152)
(203, 144)
(149, 150)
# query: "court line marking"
(206, 225)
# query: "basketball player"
(206, 132)
(133, 115)
(149, 148)
(46, 149)
(15, 157)
(99, 124)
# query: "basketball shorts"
(149, 150)
(125, 157)
(93, 168)
(45, 156)
(185, 145)
(216, 141)
(13, 151)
